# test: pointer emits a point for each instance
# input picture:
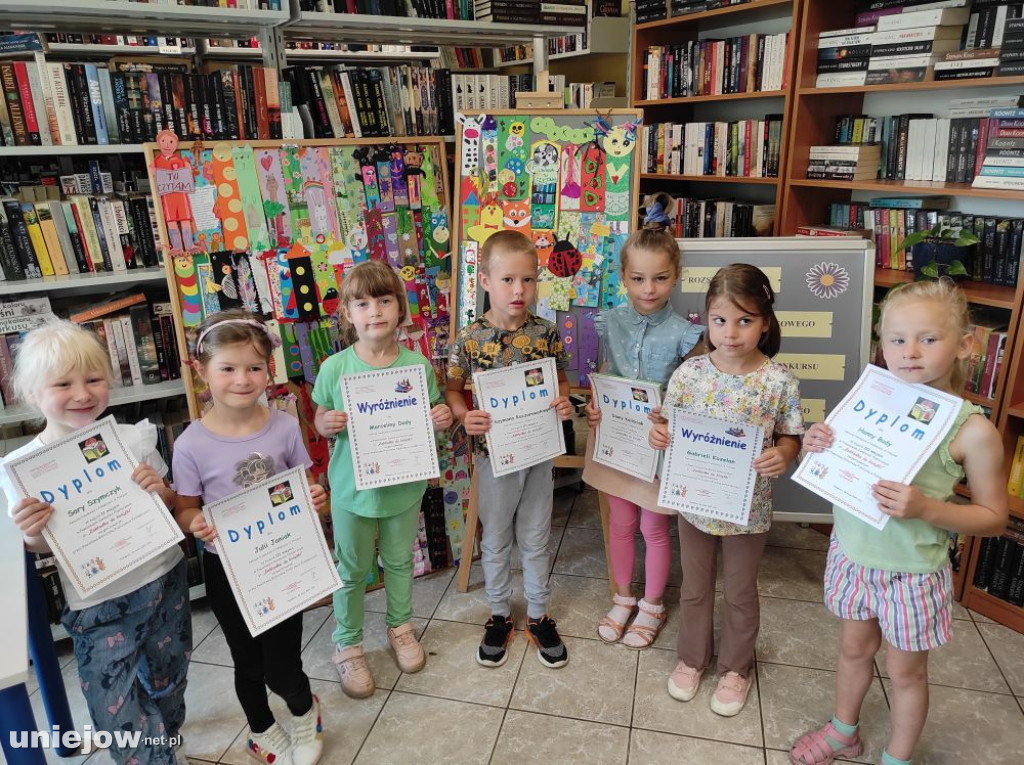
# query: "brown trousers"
(741, 612)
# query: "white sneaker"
(272, 746)
(308, 736)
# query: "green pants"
(354, 538)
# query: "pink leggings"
(623, 517)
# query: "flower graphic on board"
(827, 280)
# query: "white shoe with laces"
(272, 746)
(307, 736)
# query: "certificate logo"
(93, 448)
(639, 394)
(373, 468)
(923, 410)
(281, 493)
(92, 567)
(506, 459)
(403, 386)
(818, 469)
(265, 606)
(678, 490)
(736, 431)
(607, 450)
(534, 377)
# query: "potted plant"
(941, 251)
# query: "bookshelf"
(604, 35)
(759, 16)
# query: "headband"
(275, 341)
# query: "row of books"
(651, 10)
(1015, 486)
(555, 45)
(985, 365)
(424, 9)
(696, 218)
(844, 163)
(888, 220)
(143, 42)
(1001, 151)
(743, 148)
(1000, 566)
(474, 93)
(560, 12)
(51, 103)
(745, 64)
(462, 58)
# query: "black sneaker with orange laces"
(493, 649)
(551, 651)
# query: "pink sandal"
(814, 748)
(613, 626)
(644, 635)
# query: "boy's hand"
(203, 531)
(441, 416)
(771, 463)
(319, 496)
(593, 414)
(659, 438)
(147, 478)
(334, 422)
(818, 438)
(898, 499)
(563, 407)
(31, 515)
(476, 422)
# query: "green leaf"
(966, 238)
(913, 239)
(931, 270)
(956, 268)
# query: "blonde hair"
(503, 242)
(54, 350)
(232, 327)
(651, 238)
(370, 279)
(943, 291)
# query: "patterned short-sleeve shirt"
(768, 397)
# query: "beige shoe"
(408, 651)
(354, 672)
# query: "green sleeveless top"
(909, 545)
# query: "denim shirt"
(645, 347)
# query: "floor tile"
(960, 613)
(452, 671)
(586, 513)
(1008, 647)
(654, 709)
(543, 739)
(814, 644)
(795, 700)
(970, 727)
(203, 621)
(793, 535)
(472, 606)
(317, 658)
(980, 618)
(596, 684)
(213, 716)
(651, 748)
(582, 554)
(578, 603)
(793, 574)
(964, 662)
(562, 505)
(452, 731)
(79, 713)
(346, 724)
(427, 592)
(214, 648)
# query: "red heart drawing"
(266, 160)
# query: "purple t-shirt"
(212, 466)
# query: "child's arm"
(316, 492)
(191, 520)
(329, 422)
(979, 449)
(774, 460)
(30, 515)
(562, 405)
(146, 477)
(476, 421)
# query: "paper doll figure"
(174, 182)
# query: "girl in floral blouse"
(736, 381)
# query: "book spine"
(9, 83)
(28, 108)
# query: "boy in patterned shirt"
(514, 507)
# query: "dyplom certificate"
(884, 429)
(709, 466)
(621, 438)
(389, 427)
(104, 524)
(525, 430)
(273, 549)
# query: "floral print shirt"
(768, 397)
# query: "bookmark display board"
(568, 179)
(823, 299)
(273, 226)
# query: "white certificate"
(621, 438)
(709, 466)
(525, 430)
(389, 427)
(885, 429)
(273, 549)
(104, 524)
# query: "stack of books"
(967, 64)
(561, 13)
(987, 24)
(651, 10)
(745, 148)
(1000, 567)
(843, 56)
(855, 162)
(872, 10)
(906, 46)
(1002, 166)
(1011, 51)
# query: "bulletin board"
(272, 227)
(568, 179)
(823, 299)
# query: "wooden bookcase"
(760, 16)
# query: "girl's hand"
(659, 438)
(771, 463)
(898, 499)
(477, 422)
(656, 417)
(441, 416)
(31, 515)
(203, 531)
(562, 407)
(147, 478)
(818, 438)
(593, 414)
(318, 494)
(334, 422)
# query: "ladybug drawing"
(565, 259)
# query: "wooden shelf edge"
(977, 293)
(981, 82)
(709, 178)
(909, 187)
(649, 102)
(696, 18)
(1016, 410)
(994, 608)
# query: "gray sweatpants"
(515, 508)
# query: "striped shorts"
(914, 611)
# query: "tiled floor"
(609, 704)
